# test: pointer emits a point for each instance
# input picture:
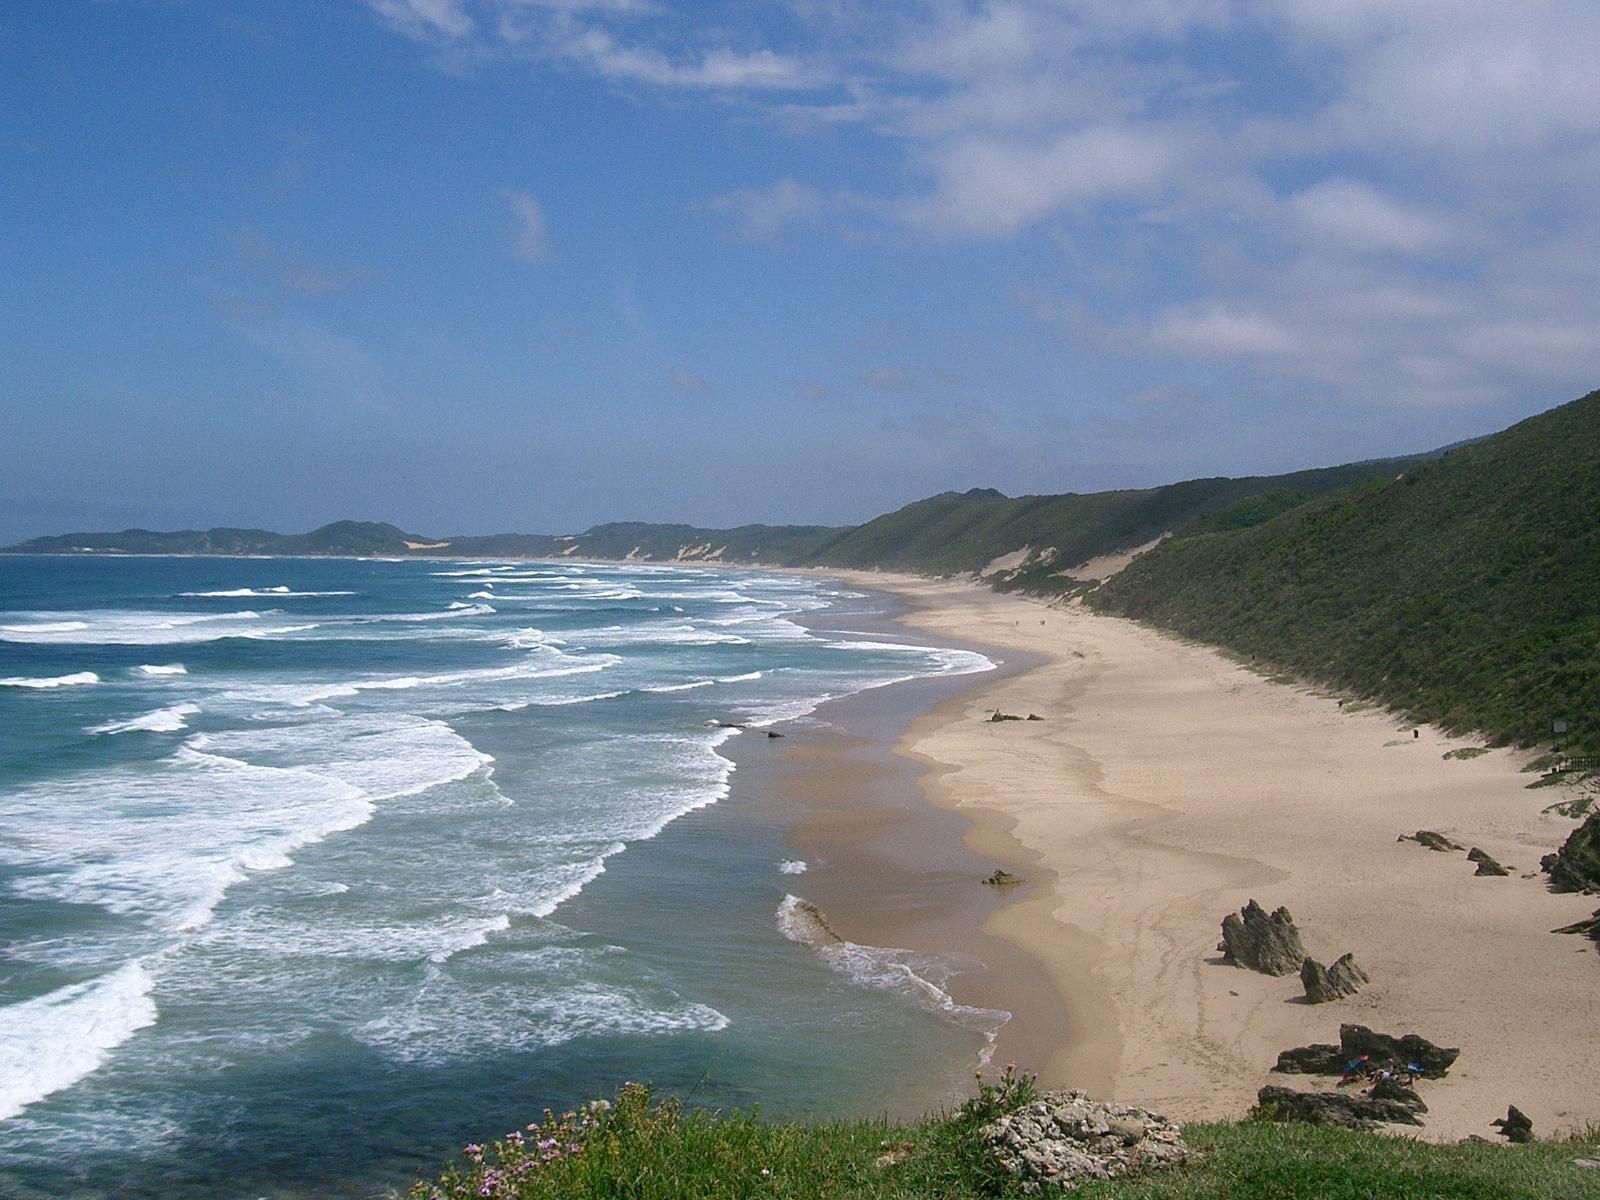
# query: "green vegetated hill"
(1046, 535)
(1464, 590)
(639, 540)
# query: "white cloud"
(426, 18)
(528, 233)
(762, 212)
(992, 187)
(1358, 217)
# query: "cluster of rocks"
(1384, 1067)
(1387, 1103)
(1271, 944)
(1065, 1138)
(998, 716)
(1378, 1051)
(1437, 841)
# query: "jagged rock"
(1064, 1138)
(1433, 841)
(1270, 945)
(1332, 1108)
(1406, 1053)
(1322, 983)
(1389, 1087)
(1001, 878)
(1486, 865)
(1589, 927)
(1515, 1125)
(1035, 717)
(1319, 1058)
(1576, 866)
(1000, 716)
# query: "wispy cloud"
(1387, 198)
(527, 231)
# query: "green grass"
(640, 1149)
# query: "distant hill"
(1464, 590)
(681, 543)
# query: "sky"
(486, 265)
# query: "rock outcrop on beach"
(1377, 1051)
(1345, 1109)
(1065, 1138)
(1323, 984)
(1576, 866)
(1515, 1126)
(1430, 839)
(1486, 864)
(1589, 927)
(1271, 945)
(1001, 878)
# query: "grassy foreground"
(639, 1149)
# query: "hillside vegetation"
(960, 532)
(1464, 590)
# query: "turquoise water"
(312, 870)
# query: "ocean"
(313, 870)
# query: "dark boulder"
(1514, 1126)
(1389, 1087)
(1375, 1051)
(1322, 984)
(1001, 878)
(1271, 945)
(1319, 1058)
(999, 716)
(1433, 841)
(1348, 1110)
(1486, 865)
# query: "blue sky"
(479, 265)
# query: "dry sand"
(1167, 785)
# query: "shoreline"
(1167, 785)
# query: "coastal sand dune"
(1167, 785)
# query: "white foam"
(166, 841)
(745, 678)
(581, 877)
(557, 701)
(551, 664)
(455, 610)
(162, 720)
(916, 976)
(947, 661)
(161, 669)
(792, 866)
(681, 634)
(129, 628)
(681, 687)
(239, 593)
(52, 1041)
(77, 679)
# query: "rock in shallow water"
(1065, 1138)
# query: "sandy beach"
(1165, 786)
